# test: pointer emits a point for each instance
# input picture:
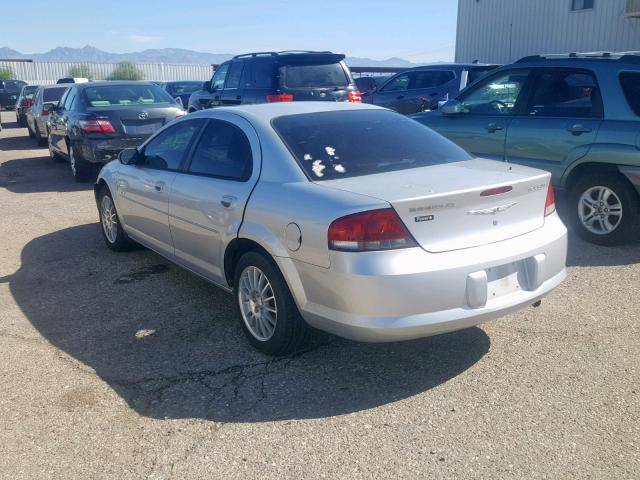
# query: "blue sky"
(417, 30)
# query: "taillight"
(372, 230)
(179, 101)
(97, 125)
(550, 203)
(355, 96)
(281, 97)
(25, 102)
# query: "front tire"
(268, 314)
(604, 209)
(52, 153)
(110, 226)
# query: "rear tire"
(80, 169)
(604, 208)
(267, 301)
(110, 226)
(41, 141)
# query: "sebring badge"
(143, 115)
(492, 210)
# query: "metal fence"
(43, 73)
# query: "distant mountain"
(161, 55)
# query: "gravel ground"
(124, 366)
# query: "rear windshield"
(11, 85)
(306, 75)
(183, 87)
(631, 87)
(53, 94)
(330, 145)
(107, 95)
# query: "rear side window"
(565, 93)
(331, 145)
(52, 95)
(233, 77)
(631, 87)
(165, 152)
(131, 94)
(262, 74)
(309, 75)
(223, 152)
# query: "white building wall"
(502, 31)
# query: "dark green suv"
(577, 116)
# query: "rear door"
(258, 80)
(208, 198)
(217, 87)
(143, 189)
(488, 109)
(232, 93)
(559, 121)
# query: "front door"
(487, 110)
(143, 189)
(559, 123)
(208, 199)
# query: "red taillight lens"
(97, 125)
(25, 102)
(282, 97)
(366, 231)
(355, 96)
(550, 204)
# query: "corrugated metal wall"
(502, 31)
(43, 73)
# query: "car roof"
(591, 59)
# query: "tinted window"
(496, 95)
(218, 78)
(130, 94)
(478, 72)
(53, 95)
(70, 97)
(29, 90)
(631, 87)
(331, 145)
(301, 75)
(430, 79)
(233, 77)
(12, 85)
(401, 82)
(262, 74)
(183, 87)
(565, 93)
(165, 152)
(223, 151)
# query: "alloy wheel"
(600, 210)
(109, 218)
(257, 303)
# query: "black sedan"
(95, 121)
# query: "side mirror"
(453, 107)
(129, 156)
(206, 86)
(49, 107)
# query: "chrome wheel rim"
(257, 303)
(600, 210)
(72, 161)
(109, 219)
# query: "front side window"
(223, 151)
(497, 95)
(166, 151)
(53, 95)
(217, 82)
(431, 78)
(631, 87)
(333, 145)
(401, 82)
(564, 93)
(105, 95)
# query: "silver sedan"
(348, 218)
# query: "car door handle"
(229, 201)
(493, 127)
(578, 129)
(159, 186)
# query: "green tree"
(126, 71)
(80, 71)
(6, 73)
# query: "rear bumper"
(105, 150)
(406, 294)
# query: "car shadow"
(17, 143)
(585, 254)
(171, 346)
(37, 175)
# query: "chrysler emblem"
(492, 210)
(143, 115)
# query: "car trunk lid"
(459, 205)
(138, 121)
